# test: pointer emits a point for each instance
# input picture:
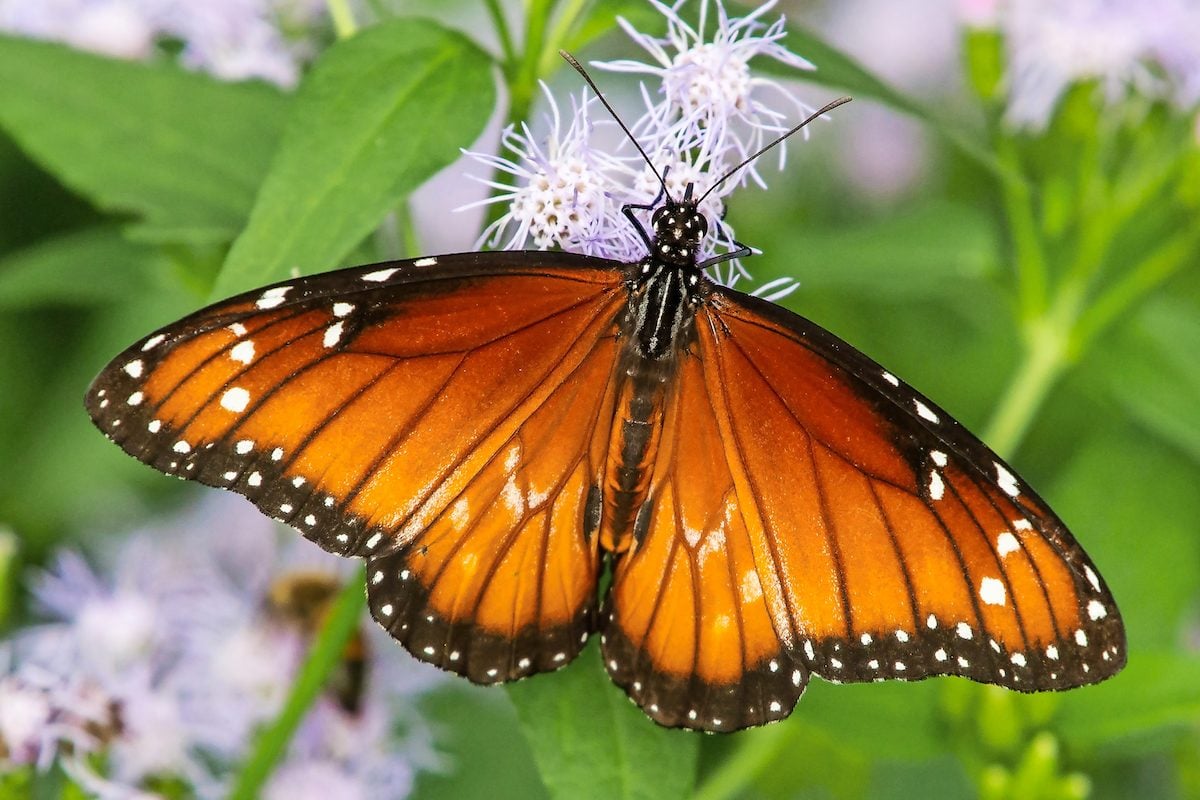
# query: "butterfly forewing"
(904, 546)
(436, 418)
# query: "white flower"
(1151, 46)
(707, 113)
(25, 714)
(562, 195)
(168, 662)
(232, 39)
(706, 84)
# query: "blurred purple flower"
(1152, 47)
(231, 39)
(706, 114)
(168, 661)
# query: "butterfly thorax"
(665, 289)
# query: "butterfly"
(494, 431)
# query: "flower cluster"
(231, 39)
(705, 112)
(166, 665)
(1151, 46)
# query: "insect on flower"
(490, 431)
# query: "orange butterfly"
(490, 431)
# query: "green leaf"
(1157, 690)
(589, 741)
(169, 146)
(1133, 507)
(477, 737)
(378, 114)
(1155, 374)
(95, 265)
(838, 70)
(924, 251)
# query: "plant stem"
(1028, 253)
(507, 51)
(343, 18)
(324, 654)
(1043, 361)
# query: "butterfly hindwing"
(405, 412)
(691, 633)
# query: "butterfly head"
(679, 227)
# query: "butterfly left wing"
(816, 515)
(436, 419)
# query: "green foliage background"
(1045, 289)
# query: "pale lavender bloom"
(231, 39)
(706, 115)
(562, 194)
(708, 94)
(168, 662)
(1150, 46)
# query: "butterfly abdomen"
(633, 444)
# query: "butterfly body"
(491, 431)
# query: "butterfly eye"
(658, 215)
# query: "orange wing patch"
(415, 416)
(691, 632)
(898, 556)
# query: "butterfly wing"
(852, 529)
(434, 418)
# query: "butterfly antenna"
(841, 101)
(570, 59)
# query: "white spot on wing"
(153, 342)
(255, 479)
(342, 309)
(964, 630)
(1018, 659)
(1006, 480)
(890, 378)
(1096, 610)
(379, 276)
(243, 351)
(155, 425)
(937, 489)
(938, 457)
(182, 447)
(424, 262)
(865, 638)
(751, 586)
(332, 334)
(940, 654)
(1081, 638)
(991, 591)
(924, 412)
(273, 297)
(1006, 543)
(134, 368)
(1091, 577)
(1052, 653)
(235, 399)
(931, 622)
(244, 446)
(135, 399)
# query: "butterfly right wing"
(436, 419)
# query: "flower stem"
(1043, 362)
(324, 654)
(507, 52)
(343, 18)
(1028, 252)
